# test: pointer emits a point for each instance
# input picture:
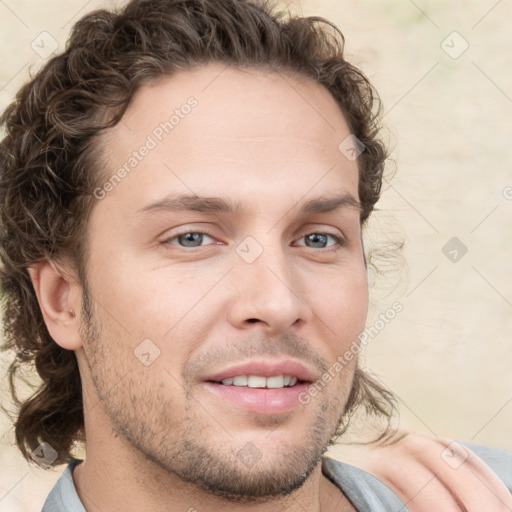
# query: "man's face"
(182, 299)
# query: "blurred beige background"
(443, 71)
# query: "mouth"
(261, 387)
(260, 373)
(259, 381)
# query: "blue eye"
(196, 239)
(319, 240)
(190, 239)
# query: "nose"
(269, 293)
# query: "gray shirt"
(365, 492)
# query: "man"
(183, 196)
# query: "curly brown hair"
(48, 161)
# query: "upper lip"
(264, 368)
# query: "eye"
(196, 239)
(320, 240)
(190, 239)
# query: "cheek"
(342, 307)
(158, 303)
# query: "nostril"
(253, 320)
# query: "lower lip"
(260, 400)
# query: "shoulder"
(417, 469)
(499, 461)
(365, 491)
(63, 496)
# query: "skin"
(432, 473)
(157, 438)
(269, 142)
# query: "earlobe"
(53, 290)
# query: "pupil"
(190, 238)
(316, 238)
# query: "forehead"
(239, 130)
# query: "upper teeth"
(256, 381)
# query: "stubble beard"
(179, 445)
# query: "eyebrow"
(227, 206)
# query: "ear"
(59, 299)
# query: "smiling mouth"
(258, 381)
(261, 387)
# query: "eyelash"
(340, 241)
